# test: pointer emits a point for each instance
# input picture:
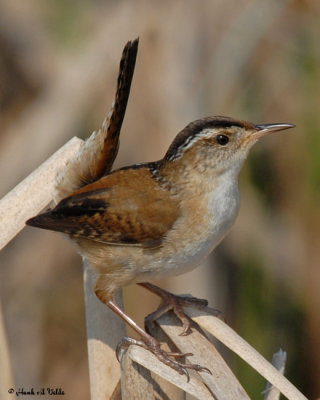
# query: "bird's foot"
(151, 344)
(175, 303)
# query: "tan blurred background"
(250, 59)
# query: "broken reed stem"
(34, 193)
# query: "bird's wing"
(110, 212)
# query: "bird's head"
(217, 143)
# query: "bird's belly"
(189, 257)
(190, 243)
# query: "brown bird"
(157, 219)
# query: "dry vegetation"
(248, 59)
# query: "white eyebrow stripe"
(189, 143)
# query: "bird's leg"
(175, 303)
(147, 341)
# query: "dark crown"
(192, 130)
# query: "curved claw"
(125, 342)
(203, 369)
(186, 327)
(186, 373)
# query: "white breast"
(189, 243)
(223, 207)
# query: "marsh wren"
(158, 219)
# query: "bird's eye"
(222, 139)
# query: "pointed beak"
(266, 129)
